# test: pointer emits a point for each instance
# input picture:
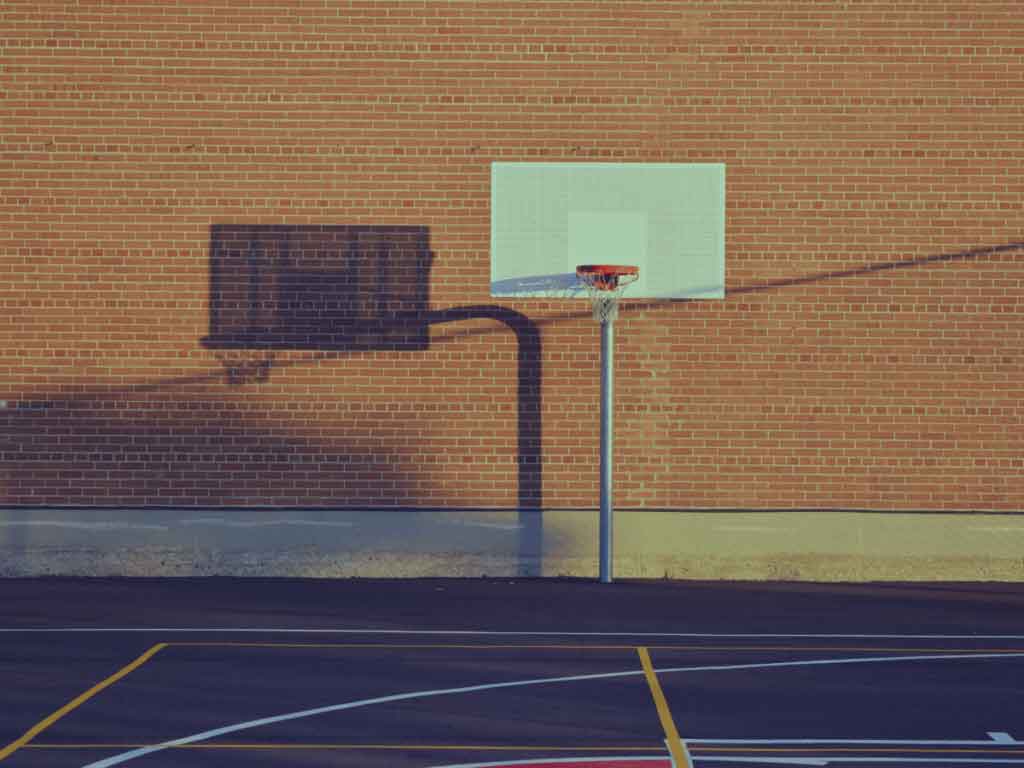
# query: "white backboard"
(666, 218)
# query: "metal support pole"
(607, 405)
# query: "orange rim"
(607, 270)
(606, 276)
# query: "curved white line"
(124, 757)
(570, 760)
(662, 760)
(781, 760)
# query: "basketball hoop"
(605, 284)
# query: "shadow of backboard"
(318, 287)
(353, 288)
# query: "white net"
(604, 290)
(602, 285)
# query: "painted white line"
(831, 662)
(214, 733)
(499, 633)
(842, 742)
(767, 760)
(545, 760)
(225, 523)
(99, 525)
(236, 727)
(1001, 737)
(470, 524)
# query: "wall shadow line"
(871, 269)
(630, 306)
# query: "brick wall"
(868, 353)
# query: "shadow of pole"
(529, 473)
(528, 414)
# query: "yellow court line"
(676, 747)
(477, 647)
(408, 747)
(76, 702)
(403, 646)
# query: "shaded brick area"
(867, 354)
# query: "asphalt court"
(265, 682)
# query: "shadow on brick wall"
(328, 290)
(338, 288)
(162, 445)
(877, 268)
(187, 441)
(348, 288)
